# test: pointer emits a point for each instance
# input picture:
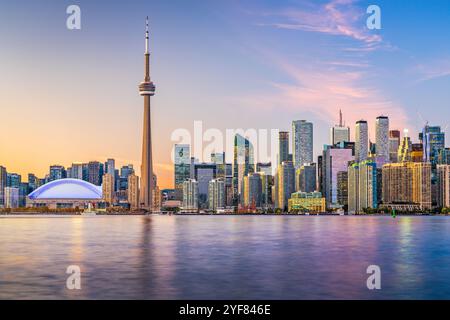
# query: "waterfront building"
(283, 146)
(95, 172)
(361, 141)
(252, 190)
(267, 182)
(65, 193)
(335, 160)
(108, 189)
(302, 142)
(306, 202)
(443, 171)
(11, 195)
(204, 173)
(13, 180)
(182, 171)
(394, 143)
(243, 164)
(216, 194)
(285, 184)
(133, 191)
(407, 186)
(75, 171)
(342, 188)
(362, 186)
(3, 185)
(433, 140)
(306, 178)
(190, 195)
(339, 133)
(382, 139)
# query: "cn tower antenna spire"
(146, 35)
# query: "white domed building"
(65, 193)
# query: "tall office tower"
(95, 172)
(204, 173)
(33, 182)
(3, 184)
(443, 172)
(320, 174)
(444, 156)
(339, 133)
(306, 178)
(264, 167)
(57, 172)
(267, 182)
(11, 197)
(190, 195)
(219, 159)
(76, 171)
(216, 194)
(110, 166)
(283, 146)
(108, 189)
(13, 180)
(133, 191)
(394, 143)
(302, 142)
(342, 188)
(433, 140)
(243, 163)
(362, 186)
(382, 139)
(361, 141)
(407, 184)
(182, 160)
(335, 160)
(416, 152)
(285, 184)
(252, 190)
(23, 192)
(404, 150)
(147, 90)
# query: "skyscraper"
(57, 172)
(404, 150)
(283, 146)
(182, 167)
(216, 194)
(302, 142)
(108, 188)
(3, 184)
(147, 89)
(362, 186)
(394, 143)
(306, 178)
(382, 139)
(190, 195)
(133, 191)
(110, 166)
(203, 173)
(243, 163)
(443, 171)
(339, 133)
(95, 172)
(334, 160)
(285, 184)
(433, 140)
(361, 141)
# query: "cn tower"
(146, 89)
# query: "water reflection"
(224, 257)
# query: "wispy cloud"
(338, 17)
(433, 70)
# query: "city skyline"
(105, 123)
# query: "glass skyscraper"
(243, 163)
(302, 142)
(182, 160)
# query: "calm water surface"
(224, 257)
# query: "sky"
(72, 95)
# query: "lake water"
(224, 257)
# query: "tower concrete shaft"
(147, 89)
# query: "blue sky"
(231, 64)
